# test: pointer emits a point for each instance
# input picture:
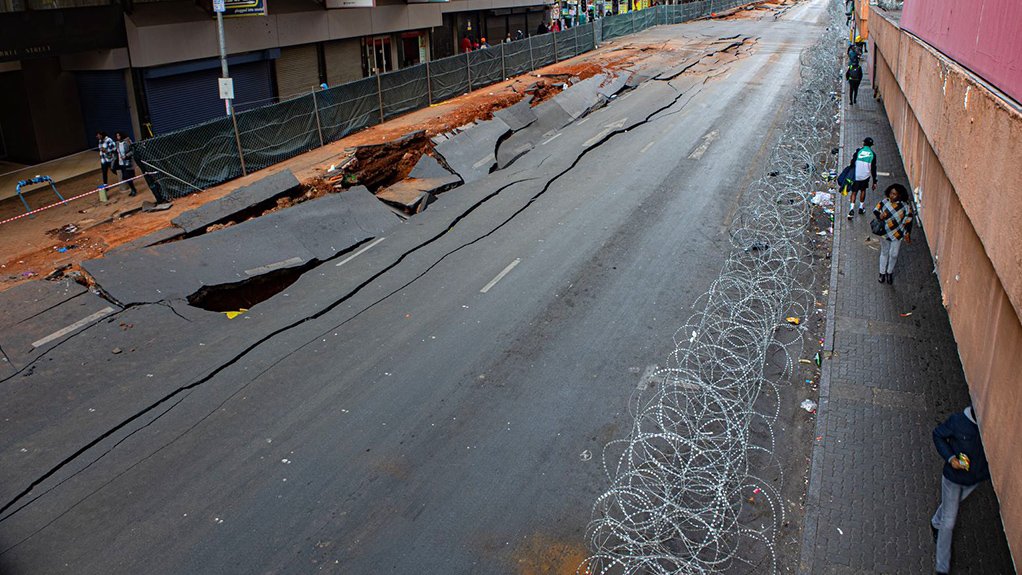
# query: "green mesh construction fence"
(190, 160)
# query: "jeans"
(853, 90)
(107, 168)
(888, 254)
(127, 174)
(951, 494)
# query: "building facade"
(70, 68)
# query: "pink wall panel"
(985, 36)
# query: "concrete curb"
(812, 514)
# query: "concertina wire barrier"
(207, 154)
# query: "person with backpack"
(854, 77)
(864, 163)
(894, 213)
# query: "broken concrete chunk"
(239, 200)
(472, 153)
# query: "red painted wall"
(985, 36)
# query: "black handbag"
(878, 227)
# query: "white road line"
(501, 275)
(646, 148)
(74, 327)
(707, 140)
(359, 252)
(557, 135)
(487, 160)
(584, 120)
(884, 174)
(274, 266)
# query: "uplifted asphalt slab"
(38, 315)
(428, 167)
(317, 229)
(409, 192)
(517, 116)
(472, 153)
(239, 200)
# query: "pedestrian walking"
(965, 467)
(854, 77)
(519, 35)
(107, 155)
(854, 55)
(483, 43)
(895, 213)
(126, 160)
(864, 164)
(466, 44)
(542, 28)
(507, 39)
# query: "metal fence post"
(237, 140)
(554, 36)
(319, 127)
(379, 92)
(503, 69)
(631, 18)
(468, 69)
(429, 85)
(532, 63)
(575, 38)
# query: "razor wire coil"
(703, 438)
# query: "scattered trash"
(806, 361)
(821, 233)
(57, 273)
(115, 350)
(906, 314)
(585, 455)
(809, 405)
(793, 320)
(757, 490)
(818, 359)
(839, 530)
(758, 246)
(823, 199)
(151, 207)
(234, 314)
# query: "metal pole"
(379, 84)
(429, 84)
(575, 38)
(532, 63)
(223, 57)
(503, 69)
(554, 36)
(237, 140)
(315, 107)
(468, 69)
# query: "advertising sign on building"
(236, 8)
(350, 3)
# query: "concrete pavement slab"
(472, 153)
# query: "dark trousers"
(107, 168)
(853, 90)
(127, 174)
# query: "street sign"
(226, 88)
(219, 6)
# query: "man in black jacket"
(965, 467)
(854, 77)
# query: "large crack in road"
(169, 401)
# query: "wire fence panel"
(190, 160)
(517, 58)
(404, 90)
(448, 77)
(617, 26)
(565, 40)
(274, 133)
(484, 66)
(543, 50)
(586, 38)
(348, 108)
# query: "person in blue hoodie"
(965, 467)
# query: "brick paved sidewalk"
(875, 475)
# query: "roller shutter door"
(103, 95)
(343, 61)
(182, 100)
(297, 71)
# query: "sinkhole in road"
(247, 293)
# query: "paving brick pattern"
(875, 474)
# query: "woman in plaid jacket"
(895, 211)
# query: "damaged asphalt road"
(421, 404)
